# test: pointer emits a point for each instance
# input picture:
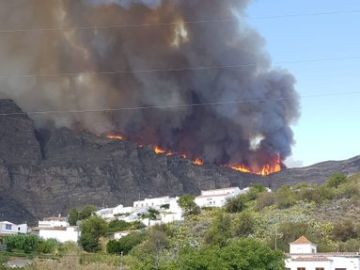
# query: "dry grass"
(69, 263)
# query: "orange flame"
(273, 167)
(117, 137)
(198, 162)
(158, 150)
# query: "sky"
(329, 126)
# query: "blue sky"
(329, 126)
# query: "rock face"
(46, 172)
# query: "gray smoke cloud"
(158, 57)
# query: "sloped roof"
(301, 240)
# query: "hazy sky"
(329, 127)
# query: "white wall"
(53, 223)
(61, 235)
(13, 228)
(302, 248)
(309, 265)
(347, 262)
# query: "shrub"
(345, 231)
(86, 212)
(236, 204)
(187, 203)
(265, 199)
(47, 246)
(244, 224)
(285, 197)
(125, 244)
(336, 180)
(91, 231)
(26, 243)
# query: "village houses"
(57, 228)
(8, 228)
(303, 255)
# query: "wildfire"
(198, 162)
(274, 167)
(158, 150)
(117, 137)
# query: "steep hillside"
(45, 172)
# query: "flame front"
(116, 137)
(198, 162)
(274, 166)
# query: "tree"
(236, 204)
(336, 180)
(87, 211)
(285, 197)
(187, 203)
(244, 224)
(265, 199)
(26, 243)
(91, 230)
(73, 216)
(251, 254)
(220, 230)
(254, 191)
(125, 244)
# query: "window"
(319, 268)
(301, 268)
(8, 227)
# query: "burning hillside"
(189, 76)
(274, 164)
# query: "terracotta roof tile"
(301, 240)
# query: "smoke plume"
(165, 54)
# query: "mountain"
(45, 172)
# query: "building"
(8, 228)
(57, 228)
(304, 256)
(218, 197)
(155, 203)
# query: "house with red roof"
(303, 255)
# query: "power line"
(170, 106)
(189, 22)
(182, 69)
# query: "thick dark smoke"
(157, 44)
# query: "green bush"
(91, 230)
(285, 197)
(345, 231)
(22, 242)
(125, 244)
(265, 199)
(244, 224)
(236, 204)
(336, 180)
(47, 246)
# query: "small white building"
(304, 256)
(155, 203)
(57, 228)
(8, 228)
(218, 197)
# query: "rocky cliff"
(47, 171)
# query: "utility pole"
(121, 260)
(276, 236)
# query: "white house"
(8, 228)
(304, 256)
(57, 228)
(155, 203)
(217, 197)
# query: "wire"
(156, 70)
(169, 106)
(205, 21)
